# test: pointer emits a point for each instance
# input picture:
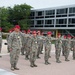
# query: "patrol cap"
(49, 32)
(34, 32)
(17, 26)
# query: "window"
(32, 14)
(40, 13)
(49, 21)
(50, 12)
(62, 11)
(72, 10)
(40, 21)
(61, 21)
(71, 21)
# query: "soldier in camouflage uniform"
(73, 46)
(40, 44)
(58, 46)
(0, 40)
(10, 31)
(64, 45)
(47, 47)
(28, 45)
(23, 47)
(34, 48)
(68, 47)
(15, 44)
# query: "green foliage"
(19, 14)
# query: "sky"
(37, 4)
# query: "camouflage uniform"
(40, 45)
(28, 46)
(68, 48)
(0, 42)
(73, 42)
(23, 47)
(63, 47)
(33, 51)
(7, 42)
(15, 44)
(58, 46)
(47, 49)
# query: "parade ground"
(64, 68)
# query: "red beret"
(34, 32)
(69, 35)
(0, 28)
(38, 31)
(17, 26)
(28, 31)
(49, 32)
(64, 36)
(59, 34)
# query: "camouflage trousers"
(0, 47)
(40, 48)
(14, 56)
(27, 51)
(33, 56)
(47, 52)
(67, 51)
(57, 52)
(23, 50)
(73, 54)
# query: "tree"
(4, 19)
(19, 14)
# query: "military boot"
(58, 61)
(67, 59)
(73, 58)
(34, 64)
(26, 57)
(12, 68)
(46, 62)
(15, 67)
(0, 56)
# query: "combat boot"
(26, 58)
(12, 68)
(73, 58)
(0, 56)
(15, 67)
(34, 64)
(58, 61)
(46, 62)
(67, 60)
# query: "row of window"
(52, 12)
(53, 25)
(58, 21)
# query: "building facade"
(58, 19)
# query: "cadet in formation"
(73, 41)
(68, 47)
(0, 40)
(15, 44)
(47, 48)
(58, 46)
(34, 48)
(40, 43)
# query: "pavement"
(64, 68)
